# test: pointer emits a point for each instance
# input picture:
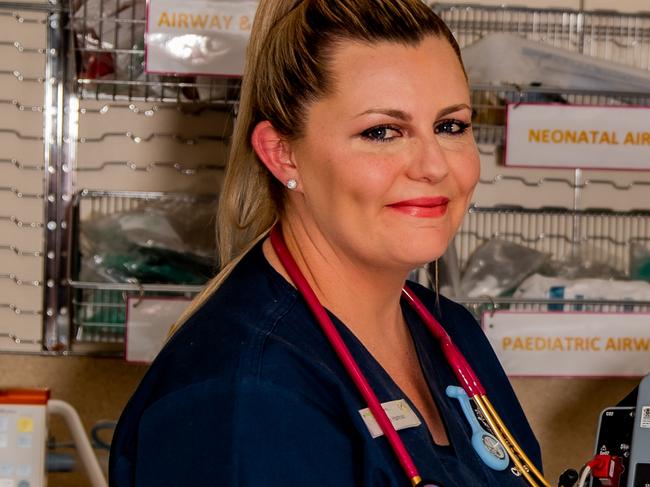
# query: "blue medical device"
(486, 445)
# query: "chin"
(425, 245)
(418, 257)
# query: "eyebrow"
(391, 112)
(454, 108)
(406, 117)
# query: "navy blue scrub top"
(250, 393)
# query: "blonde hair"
(286, 70)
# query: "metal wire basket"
(109, 50)
(558, 231)
(98, 309)
(109, 53)
(622, 38)
(605, 236)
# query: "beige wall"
(97, 388)
(564, 415)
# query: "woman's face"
(387, 163)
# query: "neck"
(364, 297)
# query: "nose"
(430, 162)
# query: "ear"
(274, 151)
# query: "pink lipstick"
(426, 207)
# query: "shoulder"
(246, 342)
(227, 334)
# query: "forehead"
(375, 74)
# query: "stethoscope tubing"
(464, 373)
(524, 465)
(475, 390)
(461, 368)
(344, 354)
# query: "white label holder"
(574, 344)
(148, 321)
(578, 136)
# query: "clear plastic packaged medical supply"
(509, 59)
(640, 261)
(588, 289)
(584, 261)
(166, 242)
(498, 266)
(110, 33)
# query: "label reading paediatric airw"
(399, 412)
(645, 417)
(574, 344)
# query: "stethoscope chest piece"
(486, 445)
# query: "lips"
(426, 207)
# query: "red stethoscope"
(464, 374)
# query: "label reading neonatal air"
(577, 136)
(399, 412)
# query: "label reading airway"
(399, 412)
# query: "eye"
(381, 133)
(452, 127)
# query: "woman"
(354, 135)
